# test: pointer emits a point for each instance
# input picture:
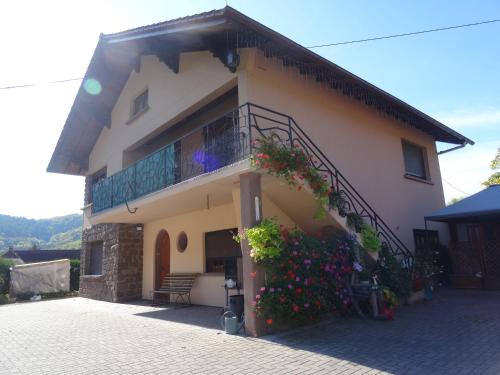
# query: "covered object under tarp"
(475, 239)
(43, 277)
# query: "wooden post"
(253, 276)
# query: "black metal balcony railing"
(226, 141)
(206, 149)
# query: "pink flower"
(297, 279)
(263, 289)
(257, 296)
(290, 286)
(271, 290)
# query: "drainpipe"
(453, 148)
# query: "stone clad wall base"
(121, 277)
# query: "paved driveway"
(457, 333)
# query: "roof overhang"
(116, 55)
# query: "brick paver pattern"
(456, 333)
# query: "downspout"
(453, 148)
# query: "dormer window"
(139, 105)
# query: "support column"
(251, 214)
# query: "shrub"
(5, 266)
(4, 298)
(370, 239)
(264, 239)
(307, 280)
(390, 274)
(74, 274)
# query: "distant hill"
(62, 232)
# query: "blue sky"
(451, 75)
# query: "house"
(35, 256)
(162, 129)
(474, 224)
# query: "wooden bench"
(179, 284)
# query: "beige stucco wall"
(209, 288)
(364, 144)
(201, 78)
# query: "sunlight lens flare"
(92, 86)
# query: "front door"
(162, 257)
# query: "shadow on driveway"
(201, 316)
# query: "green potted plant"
(370, 241)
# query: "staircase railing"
(224, 141)
(263, 122)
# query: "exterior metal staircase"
(263, 122)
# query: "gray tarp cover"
(486, 202)
(44, 277)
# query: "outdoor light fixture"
(257, 209)
(232, 60)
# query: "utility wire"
(316, 46)
(454, 187)
(39, 84)
(405, 34)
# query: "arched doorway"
(162, 257)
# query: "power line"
(316, 46)
(454, 187)
(405, 34)
(39, 84)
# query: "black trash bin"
(237, 305)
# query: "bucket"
(232, 326)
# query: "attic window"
(139, 105)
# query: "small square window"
(140, 104)
(415, 160)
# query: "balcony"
(218, 147)
(213, 146)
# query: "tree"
(454, 200)
(494, 165)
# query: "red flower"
(269, 321)
(298, 290)
(253, 274)
(295, 308)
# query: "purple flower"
(271, 290)
(306, 305)
(358, 267)
(290, 286)
(297, 279)
(307, 261)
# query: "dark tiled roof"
(34, 256)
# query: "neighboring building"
(162, 128)
(35, 256)
(475, 239)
